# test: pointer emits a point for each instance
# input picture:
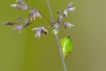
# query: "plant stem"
(57, 39)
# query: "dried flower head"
(23, 7)
(55, 31)
(8, 23)
(15, 5)
(34, 13)
(61, 16)
(27, 23)
(40, 30)
(18, 27)
(20, 19)
(68, 8)
(19, 6)
(20, 1)
(58, 11)
(56, 27)
(67, 24)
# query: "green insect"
(66, 46)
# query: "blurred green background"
(23, 52)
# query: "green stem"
(57, 39)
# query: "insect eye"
(68, 36)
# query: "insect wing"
(66, 46)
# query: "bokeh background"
(24, 52)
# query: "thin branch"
(45, 17)
(57, 39)
(50, 11)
